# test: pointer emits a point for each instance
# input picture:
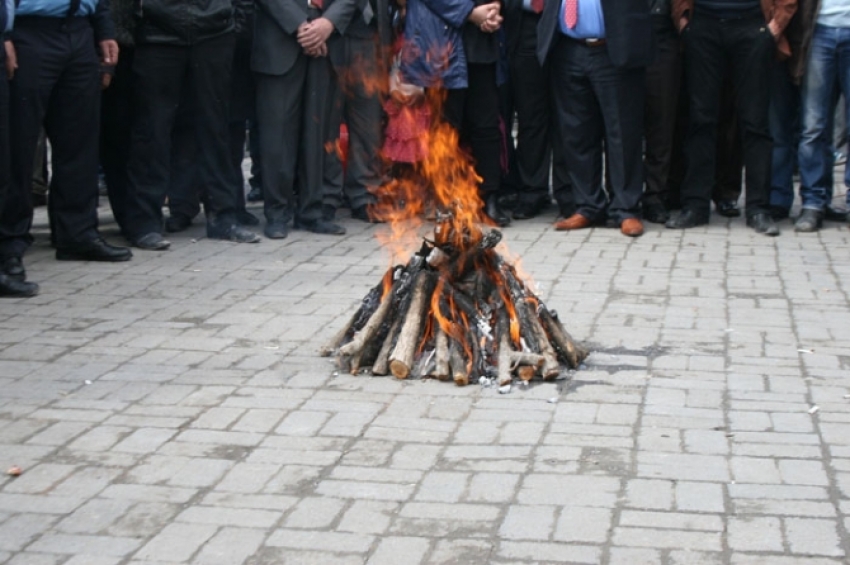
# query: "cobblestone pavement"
(173, 410)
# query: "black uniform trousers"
(595, 102)
(531, 99)
(166, 76)
(663, 84)
(294, 111)
(360, 108)
(115, 127)
(711, 46)
(185, 190)
(474, 112)
(5, 148)
(57, 85)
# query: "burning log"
(457, 311)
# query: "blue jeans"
(828, 72)
(785, 130)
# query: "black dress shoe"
(809, 221)
(13, 267)
(687, 218)
(833, 214)
(93, 250)
(152, 241)
(255, 194)
(494, 211)
(763, 223)
(15, 288)
(177, 223)
(320, 225)
(727, 208)
(362, 213)
(246, 218)
(276, 230)
(525, 210)
(229, 230)
(655, 212)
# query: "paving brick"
(699, 497)
(528, 523)
(320, 541)
(231, 546)
(176, 542)
(240, 517)
(314, 513)
(556, 552)
(583, 525)
(650, 494)
(813, 537)
(396, 549)
(442, 487)
(755, 534)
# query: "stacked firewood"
(457, 311)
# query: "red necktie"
(571, 13)
(318, 4)
(537, 6)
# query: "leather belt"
(593, 42)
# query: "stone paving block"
(797, 472)
(98, 545)
(755, 470)
(699, 497)
(230, 546)
(650, 494)
(631, 556)
(442, 487)
(566, 490)
(368, 517)
(247, 477)
(18, 531)
(314, 513)
(145, 440)
(813, 537)
(755, 534)
(455, 551)
(555, 552)
(671, 520)
(94, 516)
(239, 517)
(396, 549)
(583, 525)
(39, 479)
(320, 541)
(176, 542)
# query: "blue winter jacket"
(433, 52)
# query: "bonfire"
(457, 309)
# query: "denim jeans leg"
(844, 82)
(785, 130)
(818, 99)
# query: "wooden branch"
(551, 368)
(382, 361)
(371, 328)
(504, 364)
(441, 354)
(570, 353)
(457, 364)
(525, 358)
(526, 372)
(401, 359)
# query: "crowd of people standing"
(622, 111)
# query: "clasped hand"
(487, 17)
(313, 36)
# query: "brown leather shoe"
(631, 227)
(574, 222)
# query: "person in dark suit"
(528, 95)
(296, 91)
(57, 86)
(362, 70)
(8, 286)
(598, 52)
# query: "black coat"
(628, 31)
(183, 22)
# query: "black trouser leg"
(158, 73)
(116, 116)
(210, 68)
(706, 61)
(363, 115)
(242, 101)
(753, 48)
(184, 188)
(729, 167)
(5, 148)
(662, 96)
(279, 109)
(580, 123)
(531, 99)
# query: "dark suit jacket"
(275, 47)
(628, 30)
